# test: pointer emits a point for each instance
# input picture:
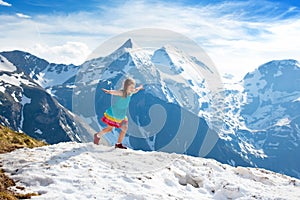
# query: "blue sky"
(38, 7)
(34, 7)
(237, 35)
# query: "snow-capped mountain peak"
(276, 67)
(167, 54)
(129, 44)
(41, 71)
(127, 47)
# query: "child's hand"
(141, 87)
(138, 89)
(105, 90)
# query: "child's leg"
(104, 131)
(124, 129)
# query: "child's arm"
(113, 92)
(138, 89)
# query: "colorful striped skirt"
(111, 121)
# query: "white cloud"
(3, 3)
(21, 15)
(67, 53)
(236, 42)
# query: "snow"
(50, 77)
(16, 79)
(261, 117)
(2, 89)
(297, 99)
(247, 148)
(38, 131)
(279, 73)
(255, 83)
(179, 76)
(14, 96)
(86, 171)
(283, 122)
(6, 66)
(12, 80)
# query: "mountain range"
(26, 106)
(254, 122)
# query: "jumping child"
(115, 116)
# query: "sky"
(238, 36)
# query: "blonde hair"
(126, 84)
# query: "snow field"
(86, 171)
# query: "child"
(115, 116)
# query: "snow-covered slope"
(271, 111)
(87, 171)
(5, 65)
(42, 72)
(262, 116)
(27, 107)
(272, 93)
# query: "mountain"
(41, 71)
(272, 112)
(262, 118)
(272, 94)
(27, 107)
(254, 122)
(161, 114)
(86, 171)
(52, 77)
